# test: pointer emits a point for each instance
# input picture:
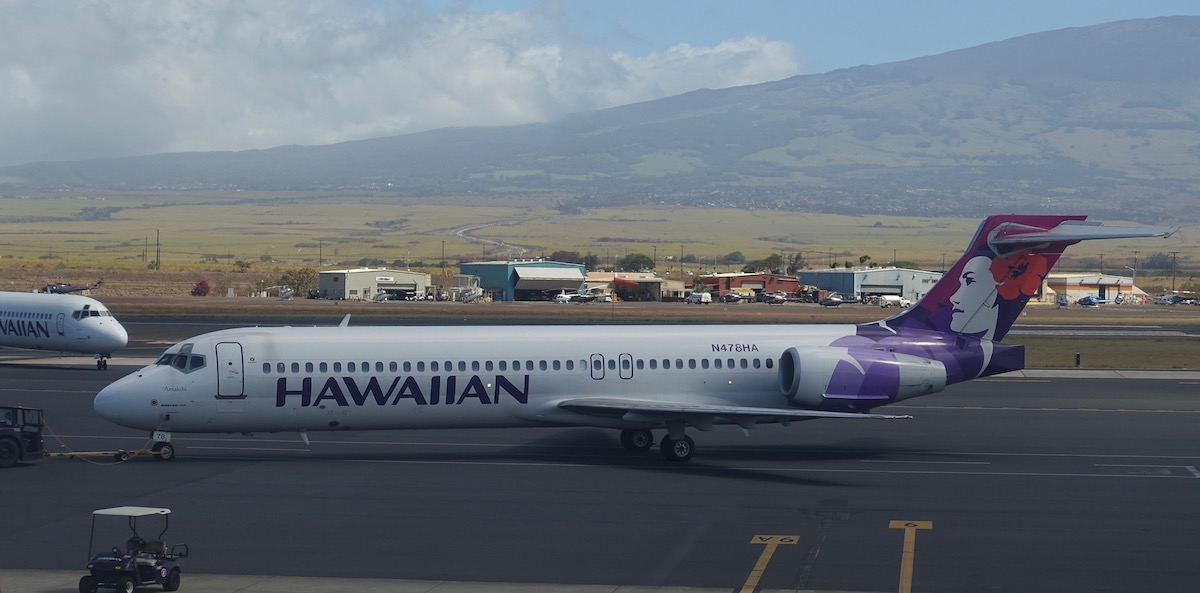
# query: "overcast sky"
(87, 79)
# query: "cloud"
(91, 79)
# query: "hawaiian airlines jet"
(636, 379)
(60, 322)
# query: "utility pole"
(321, 252)
(1101, 263)
(157, 251)
(1173, 254)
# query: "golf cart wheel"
(87, 584)
(125, 584)
(163, 451)
(172, 582)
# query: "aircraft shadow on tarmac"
(599, 448)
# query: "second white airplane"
(60, 322)
(635, 379)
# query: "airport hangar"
(526, 280)
(863, 283)
(365, 283)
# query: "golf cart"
(141, 563)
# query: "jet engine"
(855, 378)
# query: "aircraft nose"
(113, 338)
(115, 404)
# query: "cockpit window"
(183, 360)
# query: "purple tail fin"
(983, 293)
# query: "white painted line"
(923, 462)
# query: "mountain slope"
(1104, 117)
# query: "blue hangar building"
(526, 280)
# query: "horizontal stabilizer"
(1073, 231)
(609, 405)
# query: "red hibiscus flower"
(1017, 275)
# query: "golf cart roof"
(132, 511)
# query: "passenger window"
(337, 367)
(308, 367)
(407, 366)
(324, 367)
(691, 363)
(487, 365)
(433, 366)
(280, 368)
(612, 365)
(597, 365)
(570, 364)
(729, 363)
(392, 367)
(350, 367)
(503, 365)
(653, 363)
(716, 363)
(462, 366)
(744, 365)
(557, 364)
(770, 363)
(421, 367)
(266, 368)
(542, 365)
(474, 365)
(625, 364)
(379, 367)
(295, 368)
(529, 365)
(704, 363)
(757, 363)
(679, 363)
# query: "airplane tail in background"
(982, 295)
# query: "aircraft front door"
(230, 381)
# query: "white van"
(699, 298)
(891, 300)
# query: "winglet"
(345, 321)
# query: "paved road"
(1032, 483)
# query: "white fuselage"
(59, 322)
(365, 378)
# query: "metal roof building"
(862, 283)
(365, 283)
(526, 280)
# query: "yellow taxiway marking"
(770, 542)
(910, 544)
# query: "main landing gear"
(679, 448)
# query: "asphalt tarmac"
(1033, 483)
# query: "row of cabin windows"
(25, 315)
(516, 365)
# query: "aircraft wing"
(698, 413)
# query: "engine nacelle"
(811, 377)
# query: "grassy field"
(211, 231)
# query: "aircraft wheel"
(125, 584)
(172, 582)
(677, 450)
(636, 440)
(87, 584)
(163, 451)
